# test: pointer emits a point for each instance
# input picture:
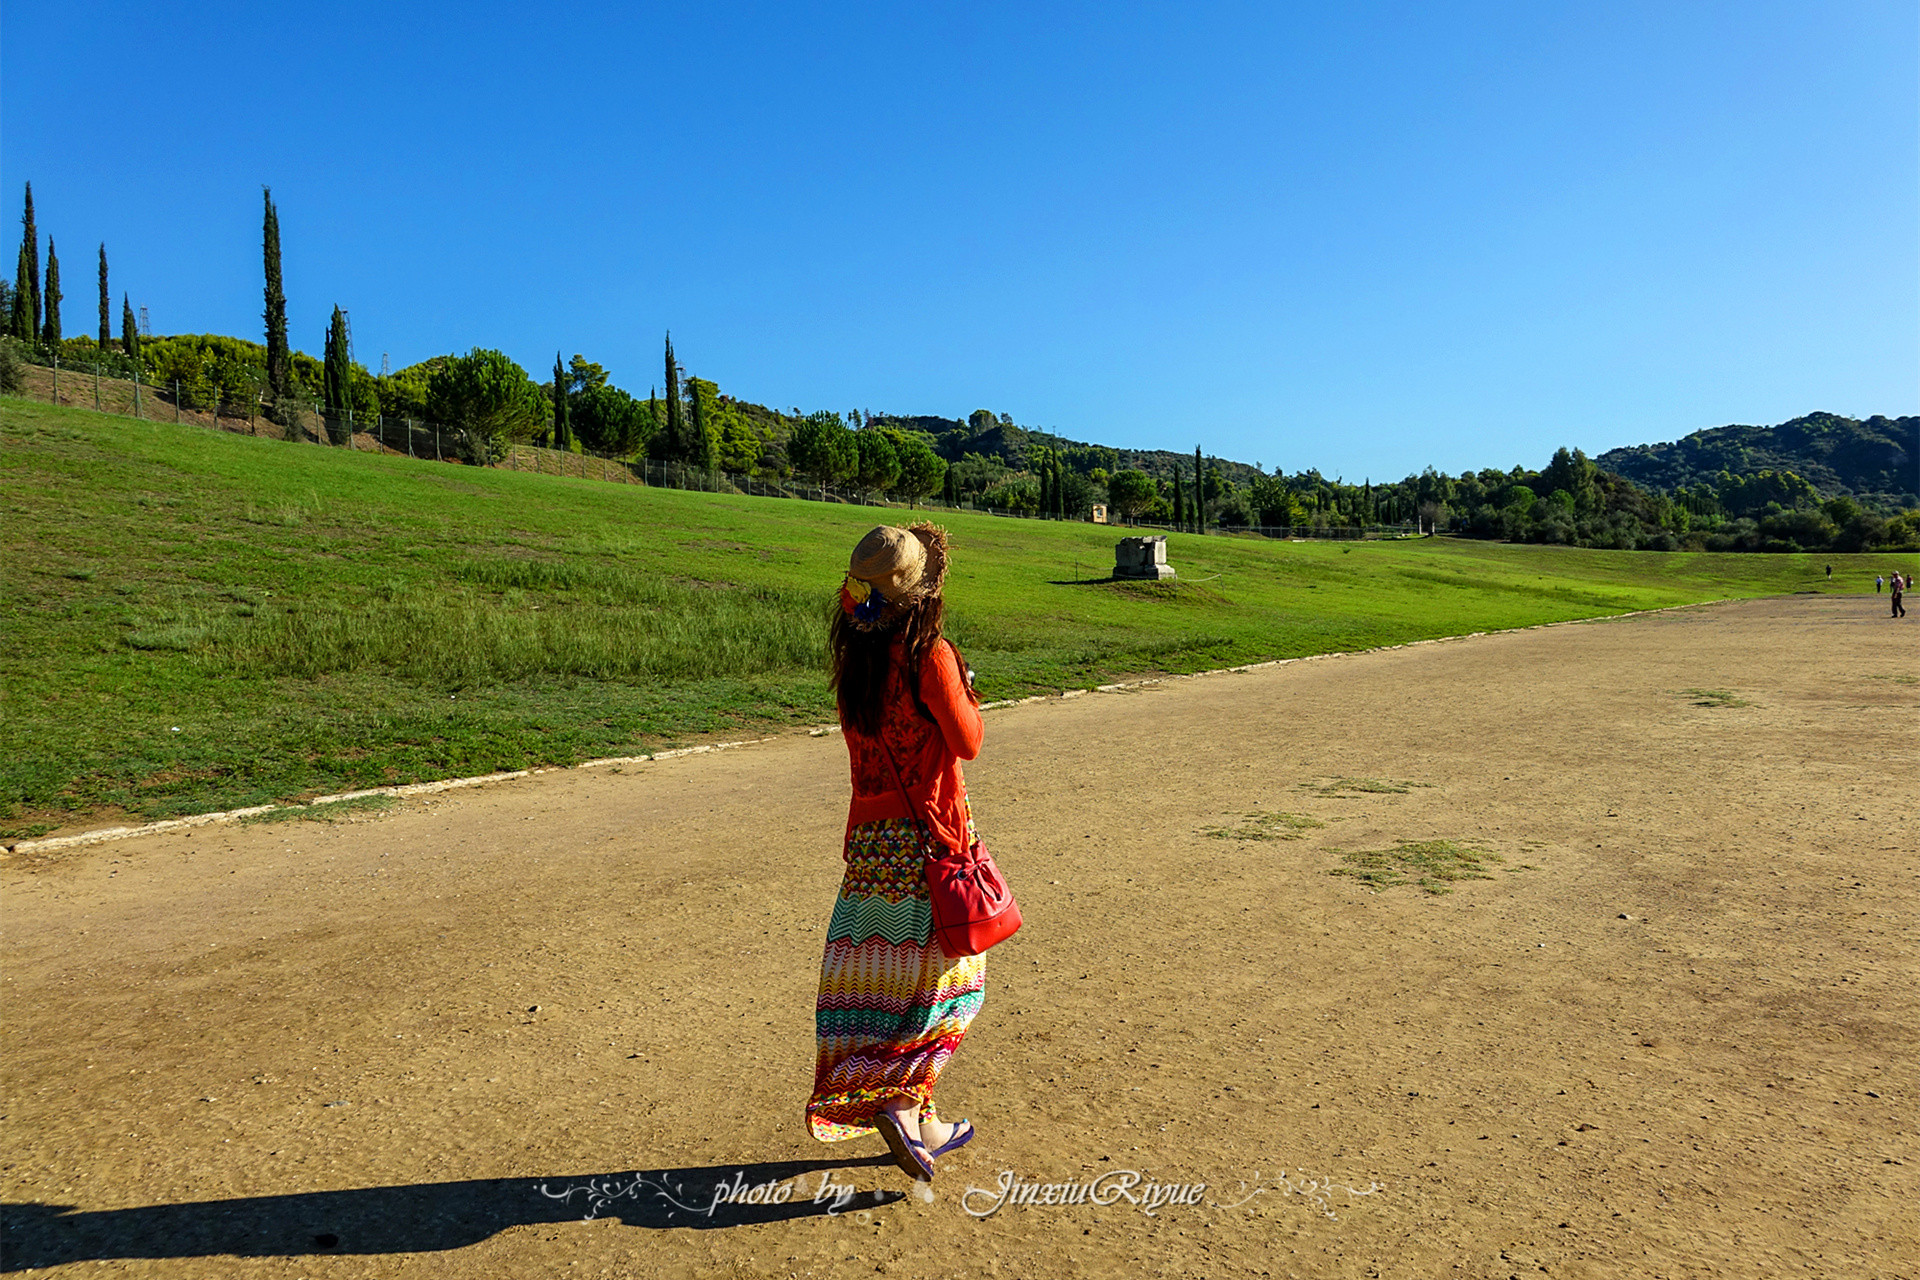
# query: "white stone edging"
(408, 789)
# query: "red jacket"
(928, 752)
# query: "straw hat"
(892, 570)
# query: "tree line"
(31, 304)
(987, 460)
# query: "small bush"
(13, 369)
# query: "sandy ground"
(1674, 1035)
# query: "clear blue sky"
(1365, 238)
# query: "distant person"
(1879, 585)
(893, 1006)
(1829, 573)
(1899, 610)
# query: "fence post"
(56, 377)
(136, 391)
(96, 385)
(437, 455)
(176, 402)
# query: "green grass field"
(197, 620)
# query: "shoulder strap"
(919, 817)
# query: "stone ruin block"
(1142, 558)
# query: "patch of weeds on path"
(1901, 678)
(332, 811)
(1257, 824)
(1363, 786)
(1714, 698)
(1432, 865)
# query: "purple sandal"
(962, 1135)
(908, 1153)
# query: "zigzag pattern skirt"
(893, 1006)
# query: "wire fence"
(95, 386)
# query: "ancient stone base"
(1142, 558)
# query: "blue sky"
(1365, 238)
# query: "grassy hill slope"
(200, 620)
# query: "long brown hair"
(861, 661)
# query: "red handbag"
(972, 906)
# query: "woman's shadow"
(434, 1215)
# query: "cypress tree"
(1179, 499)
(20, 318)
(562, 427)
(27, 302)
(279, 358)
(106, 323)
(1199, 495)
(129, 332)
(676, 424)
(338, 374)
(50, 331)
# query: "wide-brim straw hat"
(891, 570)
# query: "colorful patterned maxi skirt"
(893, 1006)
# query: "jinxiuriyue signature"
(1117, 1187)
(1129, 1187)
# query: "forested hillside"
(1875, 462)
(1820, 482)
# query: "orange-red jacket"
(928, 752)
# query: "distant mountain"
(1876, 462)
(1008, 443)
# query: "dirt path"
(1672, 1036)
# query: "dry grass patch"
(1431, 865)
(1258, 824)
(1714, 698)
(1363, 786)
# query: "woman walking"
(893, 1006)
